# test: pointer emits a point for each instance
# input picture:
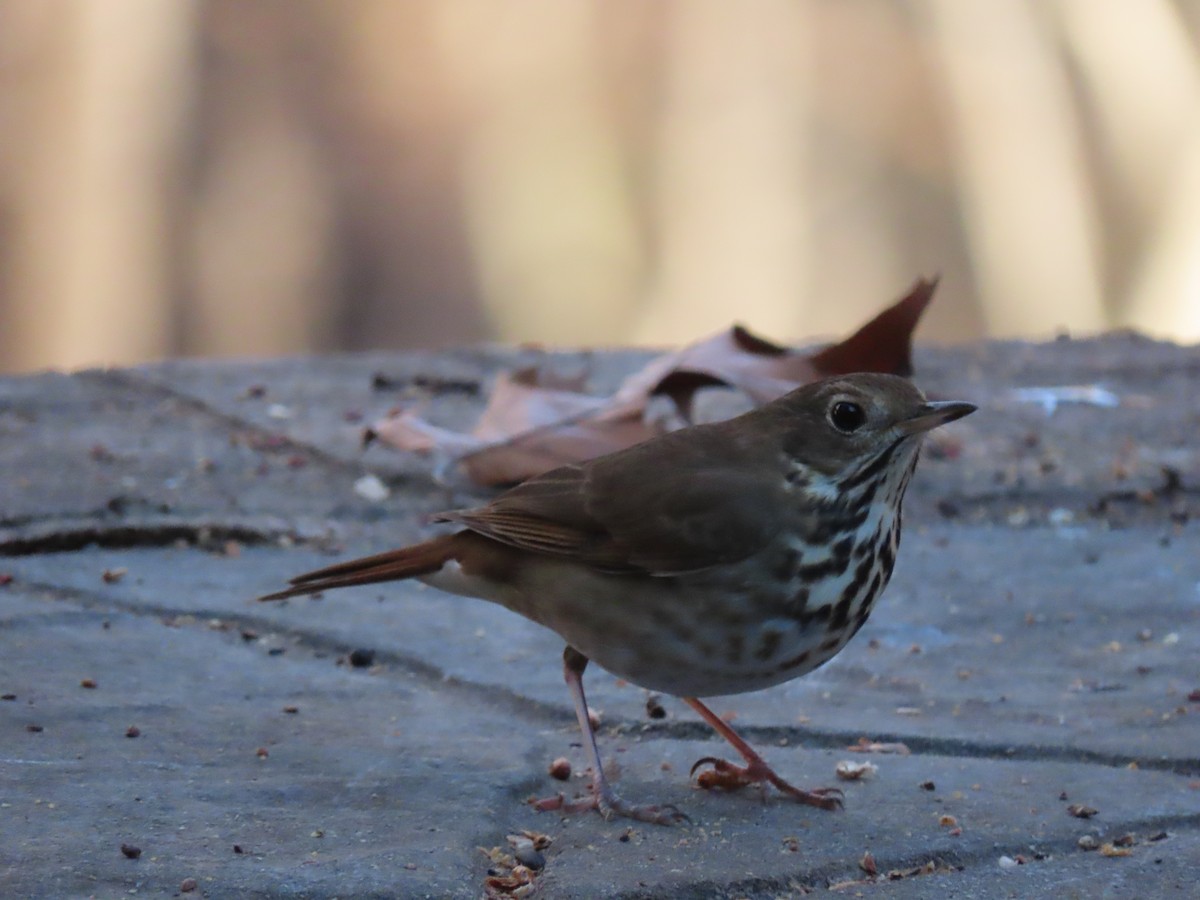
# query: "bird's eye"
(847, 417)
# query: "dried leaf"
(885, 343)
(867, 864)
(406, 430)
(535, 421)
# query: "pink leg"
(727, 776)
(603, 798)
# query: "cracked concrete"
(1038, 648)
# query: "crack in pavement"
(164, 533)
(143, 384)
(492, 693)
(946, 863)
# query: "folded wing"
(666, 507)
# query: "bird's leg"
(727, 776)
(603, 798)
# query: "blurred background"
(261, 177)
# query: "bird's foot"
(726, 776)
(609, 804)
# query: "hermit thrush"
(713, 560)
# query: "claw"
(707, 761)
(602, 797)
(723, 775)
(609, 806)
(726, 776)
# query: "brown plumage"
(713, 560)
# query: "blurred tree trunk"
(91, 174)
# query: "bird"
(716, 559)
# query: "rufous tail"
(407, 562)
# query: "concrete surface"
(1039, 647)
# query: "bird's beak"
(936, 413)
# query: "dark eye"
(846, 416)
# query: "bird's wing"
(669, 506)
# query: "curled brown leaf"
(535, 421)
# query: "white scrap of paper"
(1048, 398)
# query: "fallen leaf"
(535, 421)
(885, 343)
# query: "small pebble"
(850, 770)
(531, 858)
(361, 658)
(654, 707)
(369, 487)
